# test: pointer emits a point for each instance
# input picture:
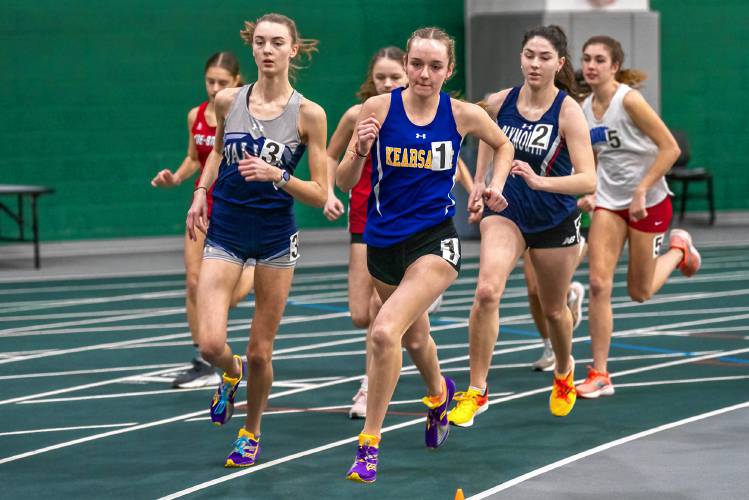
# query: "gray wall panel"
(493, 60)
(646, 55)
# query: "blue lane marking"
(326, 307)
(533, 333)
(632, 347)
(322, 307)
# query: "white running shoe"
(547, 361)
(575, 297)
(359, 408)
(435, 305)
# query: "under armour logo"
(421, 136)
(525, 126)
(257, 126)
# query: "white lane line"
(325, 408)
(86, 386)
(31, 305)
(81, 314)
(60, 352)
(92, 288)
(9, 332)
(604, 447)
(578, 361)
(625, 302)
(289, 458)
(683, 381)
(49, 304)
(89, 372)
(110, 345)
(159, 372)
(173, 392)
(136, 285)
(272, 396)
(60, 429)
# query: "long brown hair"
(367, 88)
(307, 46)
(629, 76)
(565, 78)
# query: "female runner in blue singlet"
(538, 210)
(413, 253)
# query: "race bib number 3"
(294, 246)
(451, 250)
(272, 152)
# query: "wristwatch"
(284, 179)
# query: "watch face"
(286, 175)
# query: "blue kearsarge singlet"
(275, 141)
(413, 172)
(539, 144)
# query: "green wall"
(94, 98)
(704, 80)
(95, 94)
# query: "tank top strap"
(556, 107)
(619, 95)
(397, 110)
(510, 101)
(200, 117)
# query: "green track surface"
(137, 324)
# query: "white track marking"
(60, 352)
(110, 345)
(683, 381)
(82, 314)
(604, 447)
(272, 396)
(8, 332)
(92, 288)
(289, 458)
(348, 379)
(86, 439)
(50, 304)
(89, 372)
(60, 429)
(173, 392)
(84, 386)
(159, 372)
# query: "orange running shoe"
(597, 384)
(692, 260)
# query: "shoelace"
(363, 455)
(594, 374)
(223, 396)
(562, 388)
(461, 397)
(242, 443)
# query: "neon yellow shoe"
(470, 404)
(563, 393)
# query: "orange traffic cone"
(459, 495)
